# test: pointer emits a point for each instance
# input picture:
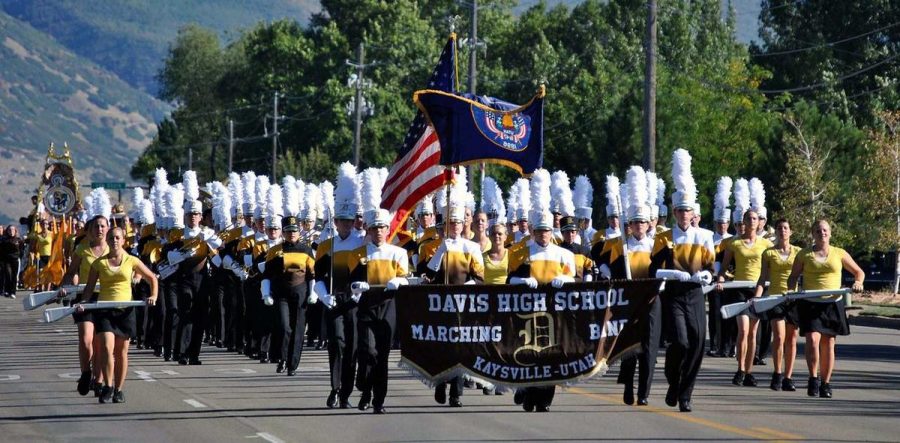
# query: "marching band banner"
(518, 337)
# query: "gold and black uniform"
(340, 320)
(376, 265)
(684, 310)
(289, 268)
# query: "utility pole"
(273, 176)
(357, 127)
(649, 137)
(358, 105)
(190, 159)
(212, 160)
(230, 144)
(473, 44)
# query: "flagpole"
(446, 258)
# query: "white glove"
(266, 288)
(227, 261)
(560, 280)
(470, 282)
(214, 242)
(395, 283)
(217, 261)
(261, 266)
(356, 296)
(702, 277)
(313, 298)
(588, 277)
(673, 274)
(358, 287)
(248, 261)
(531, 282)
(605, 272)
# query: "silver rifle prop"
(38, 299)
(762, 304)
(54, 314)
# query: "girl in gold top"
(496, 259)
(114, 327)
(777, 262)
(746, 252)
(480, 231)
(821, 322)
(85, 253)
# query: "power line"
(823, 45)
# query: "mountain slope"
(130, 38)
(48, 94)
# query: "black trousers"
(540, 396)
(684, 308)
(171, 342)
(252, 310)
(216, 326)
(376, 331)
(315, 316)
(140, 292)
(341, 326)
(9, 276)
(156, 317)
(456, 387)
(233, 304)
(292, 308)
(646, 360)
(714, 320)
(191, 311)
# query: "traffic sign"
(108, 185)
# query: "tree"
(881, 185)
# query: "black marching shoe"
(684, 405)
(97, 387)
(812, 387)
(825, 390)
(788, 385)
(281, 366)
(455, 402)
(263, 357)
(643, 402)
(528, 404)
(628, 395)
(331, 402)
(157, 351)
(379, 410)
(738, 378)
(364, 401)
(542, 408)
(777, 382)
(671, 398)
(519, 396)
(118, 396)
(194, 362)
(291, 372)
(440, 395)
(345, 404)
(757, 361)
(84, 383)
(750, 381)
(183, 361)
(106, 394)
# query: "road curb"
(875, 322)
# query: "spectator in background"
(11, 250)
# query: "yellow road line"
(755, 433)
(779, 434)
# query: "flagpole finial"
(453, 20)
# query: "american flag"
(417, 171)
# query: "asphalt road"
(233, 399)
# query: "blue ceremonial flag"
(474, 129)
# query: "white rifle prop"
(737, 284)
(54, 314)
(763, 304)
(38, 299)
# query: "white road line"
(194, 403)
(59, 331)
(9, 377)
(267, 437)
